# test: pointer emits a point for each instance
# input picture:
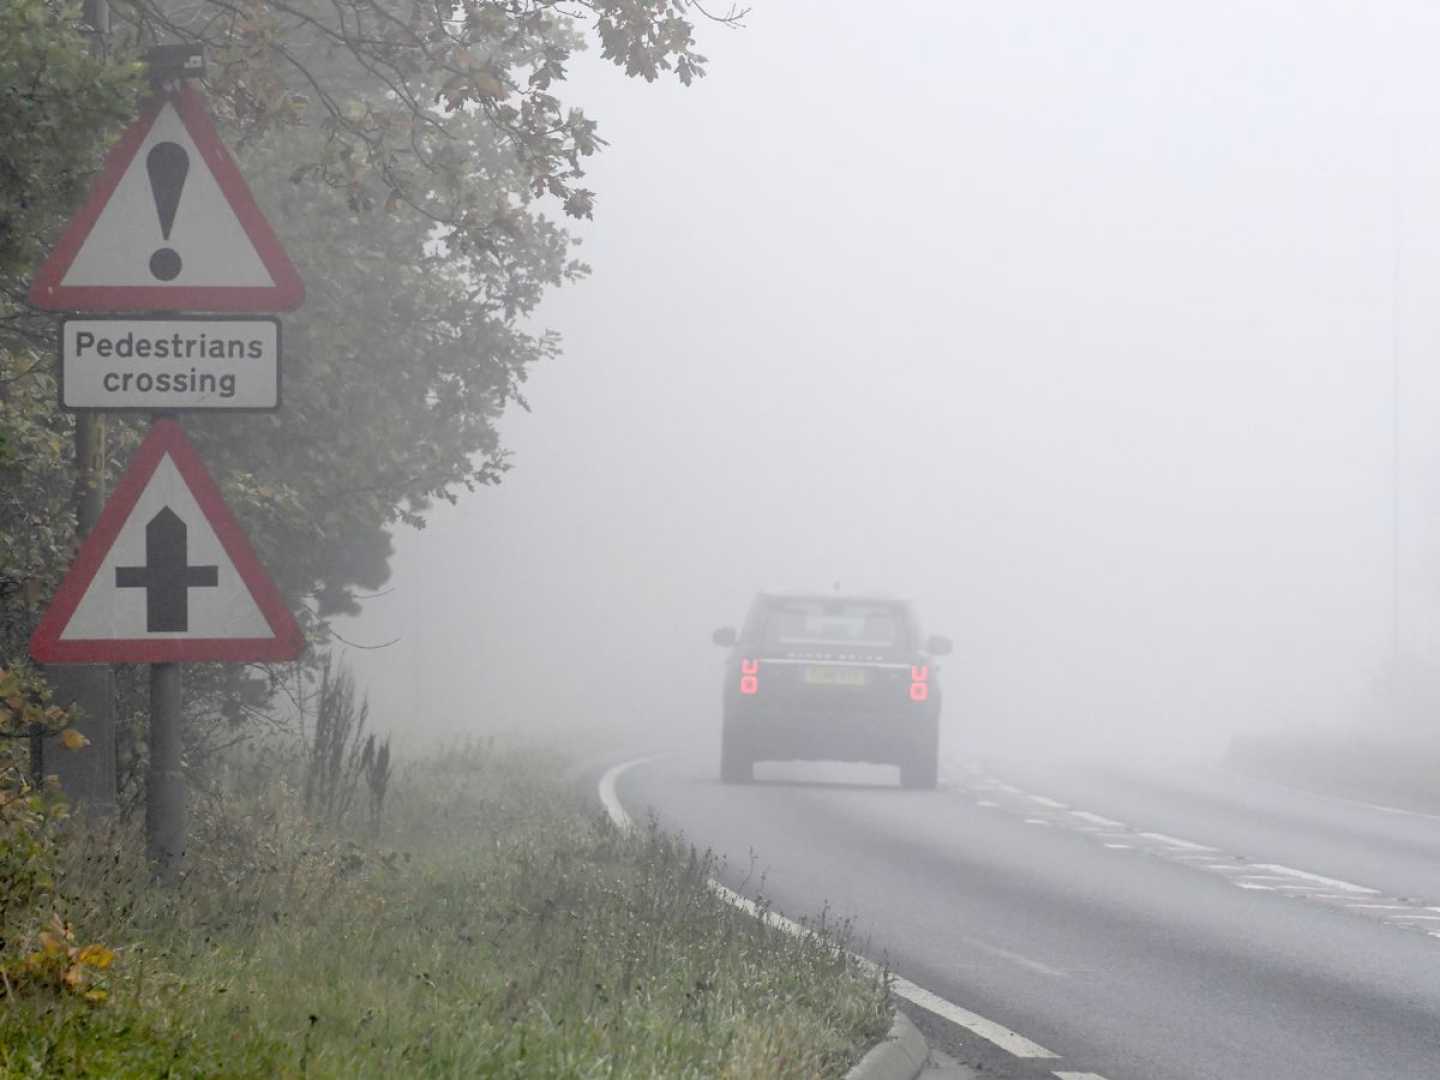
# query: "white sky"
(1075, 323)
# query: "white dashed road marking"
(1383, 907)
(1403, 913)
(1016, 958)
(1043, 801)
(1318, 879)
(1096, 819)
(1175, 841)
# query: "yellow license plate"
(834, 676)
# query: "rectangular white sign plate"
(172, 363)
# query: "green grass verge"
(498, 930)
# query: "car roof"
(861, 598)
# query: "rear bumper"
(790, 735)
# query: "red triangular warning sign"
(170, 225)
(166, 574)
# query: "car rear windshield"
(821, 622)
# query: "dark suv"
(841, 678)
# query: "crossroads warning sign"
(170, 225)
(166, 575)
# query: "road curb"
(901, 1055)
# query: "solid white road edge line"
(610, 800)
(1385, 809)
(988, 1030)
(1349, 802)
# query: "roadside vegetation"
(340, 914)
(490, 924)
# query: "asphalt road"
(1173, 924)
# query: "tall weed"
(339, 753)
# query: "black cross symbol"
(166, 576)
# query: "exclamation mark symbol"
(167, 163)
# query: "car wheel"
(735, 764)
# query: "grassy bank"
(495, 928)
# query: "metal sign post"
(165, 810)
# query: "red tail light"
(749, 676)
(920, 682)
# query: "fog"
(1079, 325)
